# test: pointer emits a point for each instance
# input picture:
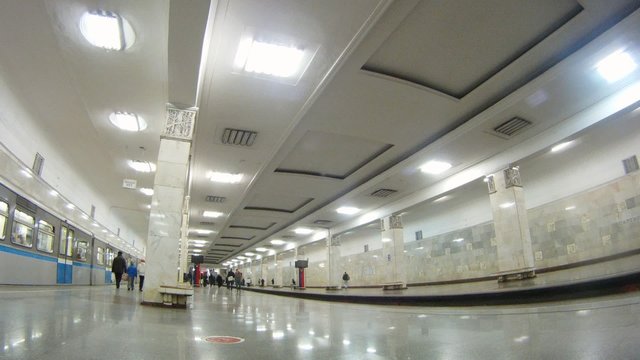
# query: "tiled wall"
(600, 222)
(592, 224)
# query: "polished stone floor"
(104, 323)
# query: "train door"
(65, 256)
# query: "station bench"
(175, 296)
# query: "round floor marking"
(223, 339)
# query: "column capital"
(179, 123)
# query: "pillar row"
(393, 250)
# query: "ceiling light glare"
(616, 66)
(277, 242)
(202, 231)
(250, 254)
(435, 167)
(197, 245)
(268, 59)
(196, 250)
(458, 240)
(53, 193)
(568, 208)
(71, 206)
(347, 210)
(26, 173)
(127, 121)
(107, 30)
(443, 198)
(225, 178)
(261, 249)
(303, 231)
(212, 214)
(561, 146)
(142, 166)
(385, 240)
(147, 191)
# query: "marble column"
(513, 241)
(184, 241)
(392, 236)
(333, 266)
(279, 264)
(165, 223)
(261, 272)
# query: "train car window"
(63, 243)
(71, 236)
(109, 256)
(4, 213)
(22, 232)
(45, 236)
(82, 248)
(100, 256)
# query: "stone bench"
(175, 296)
(520, 274)
(394, 286)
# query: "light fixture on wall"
(212, 214)
(225, 178)
(142, 166)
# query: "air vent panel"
(322, 222)
(511, 127)
(215, 199)
(383, 193)
(238, 137)
(630, 164)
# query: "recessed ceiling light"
(211, 214)
(347, 210)
(202, 231)
(277, 242)
(142, 166)
(616, 66)
(303, 231)
(458, 240)
(261, 249)
(107, 30)
(250, 254)
(384, 240)
(225, 178)
(53, 193)
(146, 191)
(268, 59)
(196, 250)
(435, 167)
(127, 121)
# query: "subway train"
(38, 248)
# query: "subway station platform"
(80, 322)
(566, 314)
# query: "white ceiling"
(391, 85)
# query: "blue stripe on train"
(15, 251)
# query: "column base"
(173, 297)
(520, 274)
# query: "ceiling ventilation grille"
(382, 193)
(215, 199)
(630, 164)
(210, 223)
(511, 127)
(238, 137)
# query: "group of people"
(119, 267)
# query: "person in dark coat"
(212, 279)
(219, 280)
(118, 267)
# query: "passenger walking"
(230, 279)
(141, 268)
(118, 267)
(211, 279)
(132, 272)
(219, 280)
(345, 280)
(238, 278)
